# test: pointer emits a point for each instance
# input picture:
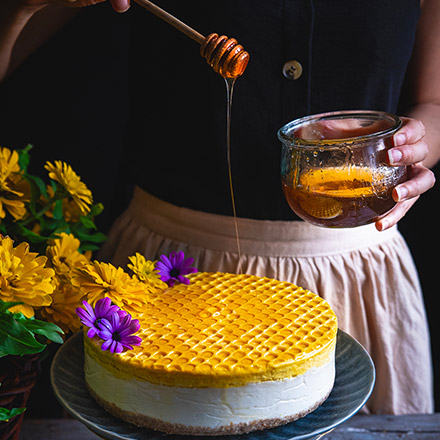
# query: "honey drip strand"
(229, 92)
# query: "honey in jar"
(341, 197)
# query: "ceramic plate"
(355, 375)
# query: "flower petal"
(106, 344)
(135, 325)
(92, 332)
(106, 325)
(165, 261)
(89, 308)
(121, 313)
(118, 347)
(179, 258)
(183, 280)
(101, 307)
(85, 318)
(105, 335)
(114, 321)
(131, 340)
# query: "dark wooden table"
(360, 427)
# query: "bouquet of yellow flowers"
(34, 211)
(47, 232)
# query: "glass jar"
(334, 169)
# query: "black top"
(127, 98)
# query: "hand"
(118, 5)
(409, 149)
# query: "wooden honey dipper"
(223, 54)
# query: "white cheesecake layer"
(213, 407)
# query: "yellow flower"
(64, 174)
(8, 166)
(24, 277)
(64, 256)
(145, 270)
(71, 211)
(14, 190)
(15, 207)
(98, 280)
(62, 311)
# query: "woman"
(352, 56)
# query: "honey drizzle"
(229, 92)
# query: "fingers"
(120, 5)
(412, 131)
(395, 215)
(409, 146)
(409, 149)
(408, 154)
(420, 180)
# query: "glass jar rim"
(285, 133)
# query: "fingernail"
(382, 225)
(402, 193)
(399, 139)
(394, 156)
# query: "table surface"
(359, 427)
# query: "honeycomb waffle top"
(226, 330)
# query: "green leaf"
(24, 157)
(16, 339)
(58, 210)
(39, 183)
(6, 414)
(3, 229)
(97, 237)
(47, 329)
(50, 226)
(87, 222)
(89, 247)
(28, 235)
(96, 210)
(37, 188)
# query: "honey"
(342, 197)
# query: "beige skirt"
(368, 277)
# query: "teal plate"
(355, 376)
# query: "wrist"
(14, 16)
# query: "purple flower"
(93, 317)
(117, 333)
(173, 269)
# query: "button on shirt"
(292, 69)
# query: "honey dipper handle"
(173, 21)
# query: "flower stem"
(45, 208)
